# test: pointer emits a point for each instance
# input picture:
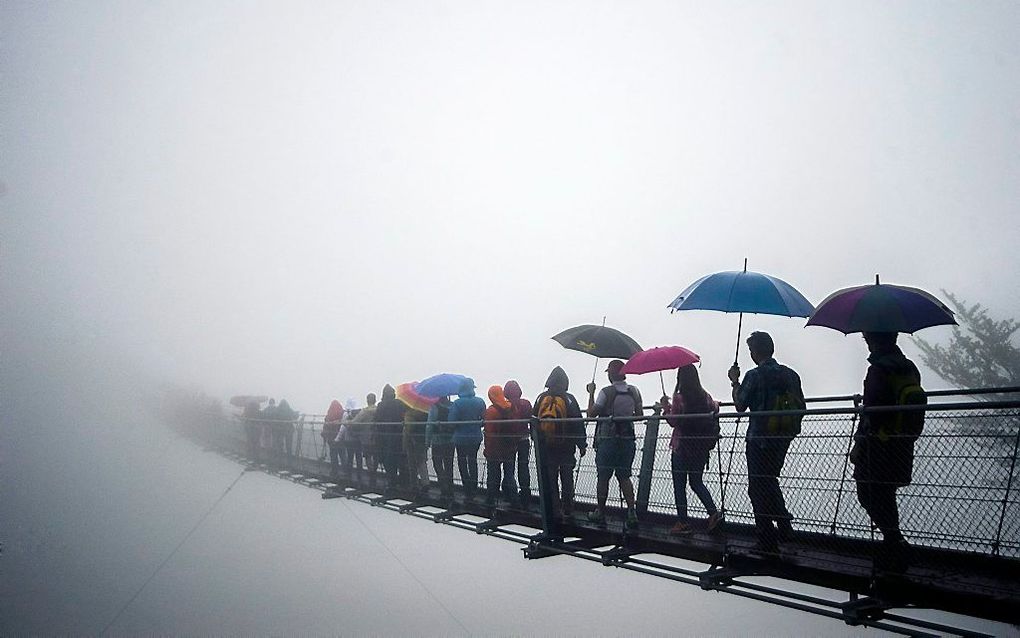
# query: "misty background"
(310, 200)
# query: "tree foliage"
(981, 353)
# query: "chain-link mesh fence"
(963, 494)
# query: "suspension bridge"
(961, 513)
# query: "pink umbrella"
(659, 359)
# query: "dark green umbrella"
(601, 342)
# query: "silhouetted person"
(691, 443)
(615, 442)
(469, 410)
(268, 415)
(414, 449)
(389, 430)
(558, 439)
(521, 412)
(439, 436)
(767, 439)
(500, 448)
(883, 453)
(363, 437)
(252, 428)
(283, 429)
(330, 428)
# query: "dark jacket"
(890, 461)
(389, 422)
(285, 417)
(759, 389)
(574, 432)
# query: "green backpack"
(784, 397)
(906, 423)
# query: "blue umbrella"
(743, 291)
(440, 385)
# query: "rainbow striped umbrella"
(407, 393)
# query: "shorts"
(615, 456)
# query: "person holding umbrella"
(883, 452)
(468, 414)
(769, 386)
(691, 443)
(615, 441)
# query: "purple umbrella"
(881, 308)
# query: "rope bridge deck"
(961, 513)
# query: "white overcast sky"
(311, 199)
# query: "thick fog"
(310, 200)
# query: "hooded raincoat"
(500, 439)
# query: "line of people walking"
(270, 430)
(400, 439)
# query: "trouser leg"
(509, 483)
(679, 486)
(566, 472)
(523, 466)
(491, 479)
(697, 482)
(879, 501)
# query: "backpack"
(552, 406)
(908, 392)
(703, 429)
(628, 408)
(784, 397)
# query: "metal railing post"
(1009, 488)
(846, 462)
(648, 450)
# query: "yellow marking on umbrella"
(587, 345)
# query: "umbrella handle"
(740, 325)
(595, 370)
(662, 383)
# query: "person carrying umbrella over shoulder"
(691, 443)
(468, 412)
(615, 441)
(769, 386)
(883, 452)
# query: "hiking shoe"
(680, 529)
(713, 521)
(596, 517)
(632, 522)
